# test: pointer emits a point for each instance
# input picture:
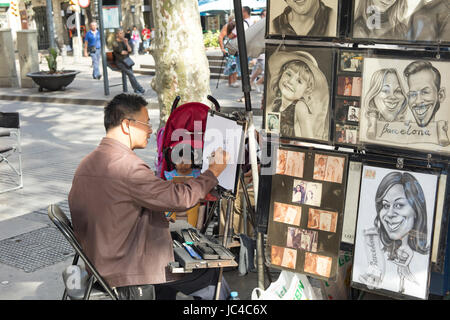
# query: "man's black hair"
(247, 9)
(122, 106)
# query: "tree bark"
(182, 68)
(130, 19)
(57, 19)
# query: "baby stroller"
(180, 126)
(183, 126)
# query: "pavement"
(57, 130)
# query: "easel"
(230, 198)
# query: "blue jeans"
(146, 43)
(129, 72)
(95, 62)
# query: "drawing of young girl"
(298, 90)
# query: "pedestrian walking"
(136, 40)
(92, 46)
(146, 34)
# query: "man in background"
(92, 46)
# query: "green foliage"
(211, 39)
(51, 60)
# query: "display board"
(394, 232)
(298, 92)
(226, 133)
(375, 88)
(306, 211)
(300, 19)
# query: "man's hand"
(218, 161)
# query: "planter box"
(53, 81)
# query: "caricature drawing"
(399, 231)
(385, 100)
(425, 93)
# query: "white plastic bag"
(289, 286)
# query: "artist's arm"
(160, 195)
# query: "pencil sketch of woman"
(401, 226)
(298, 90)
(385, 100)
(380, 19)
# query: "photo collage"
(347, 107)
(307, 201)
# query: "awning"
(4, 3)
(206, 6)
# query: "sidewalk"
(56, 135)
(85, 90)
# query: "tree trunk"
(182, 68)
(130, 19)
(57, 19)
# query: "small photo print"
(347, 134)
(328, 168)
(317, 264)
(276, 255)
(289, 258)
(340, 133)
(309, 240)
(320, 166)
(286, 213)
(351, 62)
(335, 169)
(281, 161)
(351, 136)
(322, 220)
(302, 239)
(309, 193)
(294, 238)
(353, 114)
(273, 122)
(349, 86)
(290, 163)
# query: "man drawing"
(308, 17)
(425, 92)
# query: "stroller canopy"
(186, 124)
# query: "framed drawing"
(309, 18)
(404, 104)
(306, 210)
(394, 231)
(298, 88)
(402, 20)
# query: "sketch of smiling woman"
(299, 91)
(385, 100)
(401, 225)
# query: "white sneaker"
(234, 85)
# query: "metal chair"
(11, 138)
(64, 225)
